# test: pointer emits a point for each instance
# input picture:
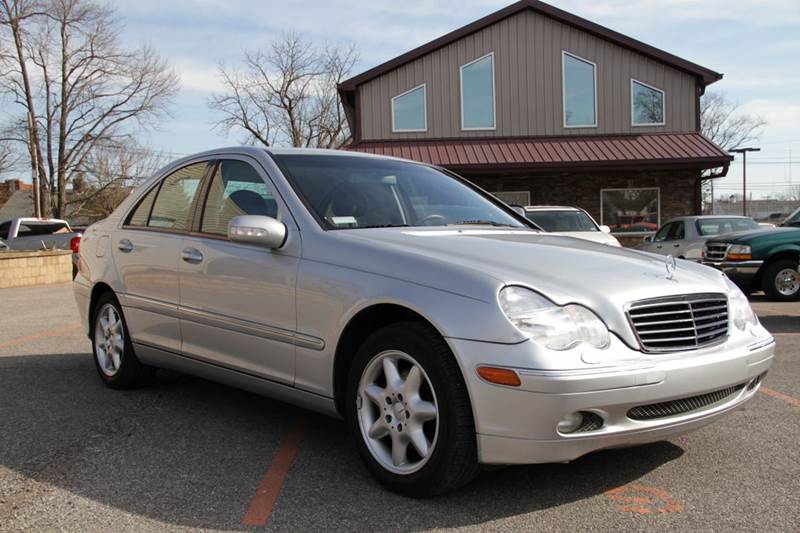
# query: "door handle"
(659, 246)
(191, 255)
(676, 245)
(125, 246)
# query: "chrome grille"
(683, 405)
(680, 323)
(716, 252)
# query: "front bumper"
(519, 425)
(740, 272)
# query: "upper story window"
(580, 92)
(410, 111)
(477, 94)
(647, 104)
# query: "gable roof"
(610, 152)
(19, 204)
(706, 75)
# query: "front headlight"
(553, 326)
(740, 252)
(741, 314)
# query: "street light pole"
(744, 151)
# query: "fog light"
(580, 422)
(570, 423)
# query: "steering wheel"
(423, 220)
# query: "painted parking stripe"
(643, 499)
(56, 332)
(267, 493)
(780, 396)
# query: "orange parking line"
(781, 396)
(39, 335)
(642, 499)
(267, 493)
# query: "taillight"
(75, 244)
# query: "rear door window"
(141, 213)
(172, 208)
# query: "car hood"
(595, 236)
(749, 235)
(477, 262)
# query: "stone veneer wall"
(679, 190)
(21, 269)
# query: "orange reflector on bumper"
(500, 376)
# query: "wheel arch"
(100, 288)
(358, 329)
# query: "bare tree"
(77, 85)
(723, 123)
(107, 176)
(287, 94)
(6, 157)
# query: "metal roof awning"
(651, 151)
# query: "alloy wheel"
(109, 339)
(787, 282)
(397, 412)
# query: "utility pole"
(37, 208)
(744, 151)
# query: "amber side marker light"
(500, 376)
(740, 257)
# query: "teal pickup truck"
(760, 259)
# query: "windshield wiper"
(382, 226)
(484, 223)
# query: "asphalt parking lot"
(190, 454)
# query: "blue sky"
(755, 43)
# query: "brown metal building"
(542, 107)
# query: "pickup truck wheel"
(408, 410)
(781, 280)
(114, 358)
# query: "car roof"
(551, 208)
(34, 220)
(258, 151)
(704, 217)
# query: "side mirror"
(605, 229)
(518, 209)
(257, 229)
(649, 238)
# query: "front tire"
(408, 410)
(781, 280)
(114, 358)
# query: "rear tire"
(431, 426)
(781, 280)
(114, 358)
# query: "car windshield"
(793, 219)
(717, 226)
(562, 220)
(350, 192)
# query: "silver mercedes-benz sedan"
(438, 323)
